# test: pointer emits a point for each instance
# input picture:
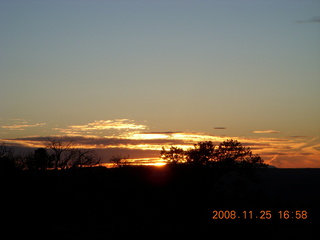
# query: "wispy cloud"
(315, 19)
(97, 127)
(154, 141)
(219, 128)
(17, 127)
(266, 131)
(109, 124)
(298, 136)
(137, 140)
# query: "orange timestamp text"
(261, 215)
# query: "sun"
(155, 164)
(159, 164)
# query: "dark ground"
(159, 203)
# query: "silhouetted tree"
(202, 154)
(119, 160)
(39, 160)
(65, 155)
(231, 153)
(174, 155)
(253, 162)
(83, 158)
(61, 152)
(57, 155)
(7, 161)
(228, 154)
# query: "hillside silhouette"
(97, 203)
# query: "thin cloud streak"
(315, 19)
(109, 124)
(266, 131)
(101, 127)
(21, 127)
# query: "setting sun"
(158, 164)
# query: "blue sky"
(188, 66)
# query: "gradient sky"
(149, 70)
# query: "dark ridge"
(159, 202)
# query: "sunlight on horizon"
(275, 149)
(156, 162)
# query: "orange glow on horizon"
(291, 152)
(156, 162)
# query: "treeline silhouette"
(61, 155)
(57, 155)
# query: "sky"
(133, 76)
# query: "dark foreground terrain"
(161, 203)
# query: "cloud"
(99, 127)
(132, 140)
(219, 128)
(152, 141)
(20, 127)
(296, 161)
(266, 131)
(305, 154)
(142, 141)
(275, 154)
(298, 136)
(315, 19)
(109, 124)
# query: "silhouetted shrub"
(229, 154)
